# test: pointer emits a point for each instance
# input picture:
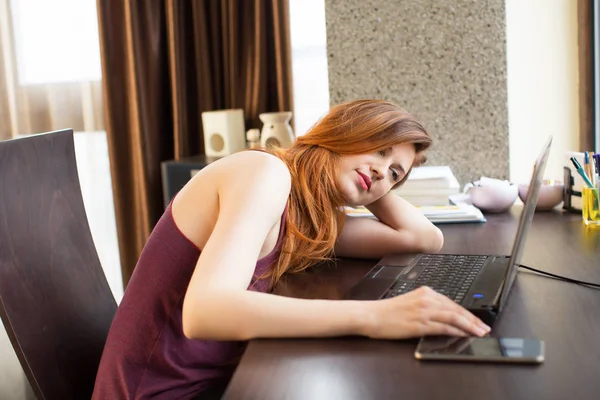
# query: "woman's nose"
(376, 171)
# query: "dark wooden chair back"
(56, 304)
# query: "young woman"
(201, 286)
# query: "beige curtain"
(26, 109)
(163, 64)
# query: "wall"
(444, 61)
(542, 82)
(489, 83)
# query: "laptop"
(480, 283)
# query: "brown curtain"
(585, 30)
(42, 107)
(165, 62)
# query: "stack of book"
(429, 186)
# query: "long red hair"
(314, 211)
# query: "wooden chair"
(56, 304)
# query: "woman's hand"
(422, 312)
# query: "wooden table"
(565, 315)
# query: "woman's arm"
(245, 315)
(400, 228)
(217, 304)
(399, 214)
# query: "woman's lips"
(364, 180)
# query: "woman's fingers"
(459, 321)
(432, 328)
(451, 313)
(423, 312)
(448, 312)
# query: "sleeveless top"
(146, 354)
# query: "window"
(309, 62)
(59, 30)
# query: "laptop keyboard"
(450, 275)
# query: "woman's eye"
(382, 153)
(395, 174)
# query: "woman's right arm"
(217, 304)
(245, 315)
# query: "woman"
(201, 286)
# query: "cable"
(564, 278)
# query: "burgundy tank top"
(146, 354)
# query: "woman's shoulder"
(255, 165)
(250, 183)
(250, 174)
(253, 157)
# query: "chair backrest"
(56, 304)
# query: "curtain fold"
(163, 64)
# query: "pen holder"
(590, 210)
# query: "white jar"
(276, 130)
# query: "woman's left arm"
(400, 228)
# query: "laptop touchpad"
(389, 273)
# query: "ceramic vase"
(276, 130)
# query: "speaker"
(224, 132)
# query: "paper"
(436, 214)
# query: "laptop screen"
(525, 222)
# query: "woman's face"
(364, 178)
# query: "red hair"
(315, 217)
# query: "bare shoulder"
(256, 163)
(254, 171)
(253, 189)
(246, 187)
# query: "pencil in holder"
(590, 210)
